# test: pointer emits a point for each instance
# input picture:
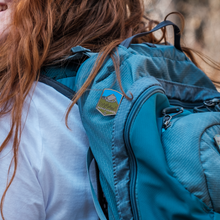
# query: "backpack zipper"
(175, 110)
(186, 105)
(133, 164)
(198, 105)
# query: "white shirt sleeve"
(51, 181)
(24, 198)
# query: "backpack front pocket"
(193, 155)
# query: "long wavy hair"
(42, 33)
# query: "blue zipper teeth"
(133, 165)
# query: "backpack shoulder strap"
(60, 87)
(62, 76)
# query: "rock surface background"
(202, 26)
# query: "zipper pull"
(212, 102)
(167, 117)
(166, 121)
(207, 104)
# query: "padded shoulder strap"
(62, 76)
(69, 93)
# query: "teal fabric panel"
(158, 193)
(187, 93)
(69, 82)
(165, 62)
(216, 216)
(192, 156)
(60, 72)
(99, 139)
(210, 158)
(121, 162)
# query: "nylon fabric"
(65, 74)
(216, 216)
(69, 82)
(121, 164)
(187, 93)
(186, 163)
(210, 159)
(60, 72)
(159, 194)
(98, 140)
(165, 62)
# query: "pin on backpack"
(109, 102)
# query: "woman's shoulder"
(62, 174)
(45, 127)
(51, 159)
(45, 139)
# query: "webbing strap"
(66, 91)
(177, 35)
(98, 208)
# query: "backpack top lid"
(165, 62)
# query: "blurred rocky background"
(202, 26)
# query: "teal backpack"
(158, 155)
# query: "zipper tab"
(166, 121)
(167, 117)
(203, 106)
(207, 104)
(212, 102)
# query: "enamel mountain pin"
(109, 102)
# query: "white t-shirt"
(51, 182)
